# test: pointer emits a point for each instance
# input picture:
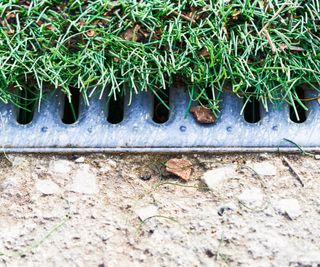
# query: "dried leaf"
(40, 22)
(203, 114)
(50, 28)
(291, 48)
(131, 34)
(204, 52)
(179, 167)
(11, 16)
(81, 23)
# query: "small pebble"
(289, 207)
(146, 212)
(84, 181)
(264, 169)
(112, 163)
(60, 166)
(10, 182)
(252, 198)
(47, 187)
(216, 177)
(227, 207)
(80, 160)
(146, 177)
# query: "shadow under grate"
(146, 126)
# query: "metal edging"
(172, 150)
(138, 133)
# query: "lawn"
(267, 50)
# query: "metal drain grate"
(97, 131)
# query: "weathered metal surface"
(139, 133)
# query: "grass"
(256, 49)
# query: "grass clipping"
(254, 48)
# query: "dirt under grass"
(48, 219)
(268, 50)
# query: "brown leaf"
(236, 14)
(224, 28)
(202, 114)
(292, 48)
(131, 34)
(185, 17)
(11, 31)
(81, 23)
(11, 16)
(128, 35)
(204, 52)
(145, 34)
(179, 167)
(50, 28)
(40, 22)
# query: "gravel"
(84, 181)
(214, 178)
(264, 168)
(289, 207)
(252, 198)
(60, 166)
(47, 187)
(145, 213)
(245, 221)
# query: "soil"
(88, 210)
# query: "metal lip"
(172, 150)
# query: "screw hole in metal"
(71, 108)
(298, 116)
(183, 128)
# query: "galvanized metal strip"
(139, 133)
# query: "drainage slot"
(207, 97)
(298, 114)
(116, 109)
(161, 104)
(71, 109)
(27, 104)
(251, 110)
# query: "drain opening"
(207, 97)
(116, 109)
(27, 104)
(71, 109)
(207, 100)
(161, 107)
(298, 114)
(251, 110)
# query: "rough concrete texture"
(88, 211)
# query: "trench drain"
(147, 125)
